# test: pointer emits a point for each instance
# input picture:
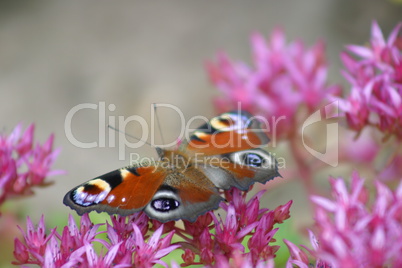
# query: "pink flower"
(148, 254)
(259, 241)
(34, 248)
(74, 237)
(23, 164)
(123, 226)
(353, 232)
(129, 235)
(74, 247)
(282, 212)
(41, 248)
(284, 78)
(94, 260)
(297, 256)
(229, 235)
(375, 75)
(247, 212)
(243, 219)
(300, 258)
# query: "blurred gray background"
(55, 55)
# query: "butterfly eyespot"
(92, 193)
(253, 160)
(165, 204)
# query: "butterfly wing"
(229, 132)
(240, 169)
(184, 195)
(123, 191)
(228, 151)
(163, 195)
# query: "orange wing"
(227, 133)
(123, 191)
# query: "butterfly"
(185, 181)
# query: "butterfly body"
(183, 183)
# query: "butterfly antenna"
(158, 123)
(131, 136)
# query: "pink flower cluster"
(375, 75)
(74, 246)
(211, 240)
(354, 232)
(243, 219)
(23, 164)
(285, 77)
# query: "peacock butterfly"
(185, 181)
